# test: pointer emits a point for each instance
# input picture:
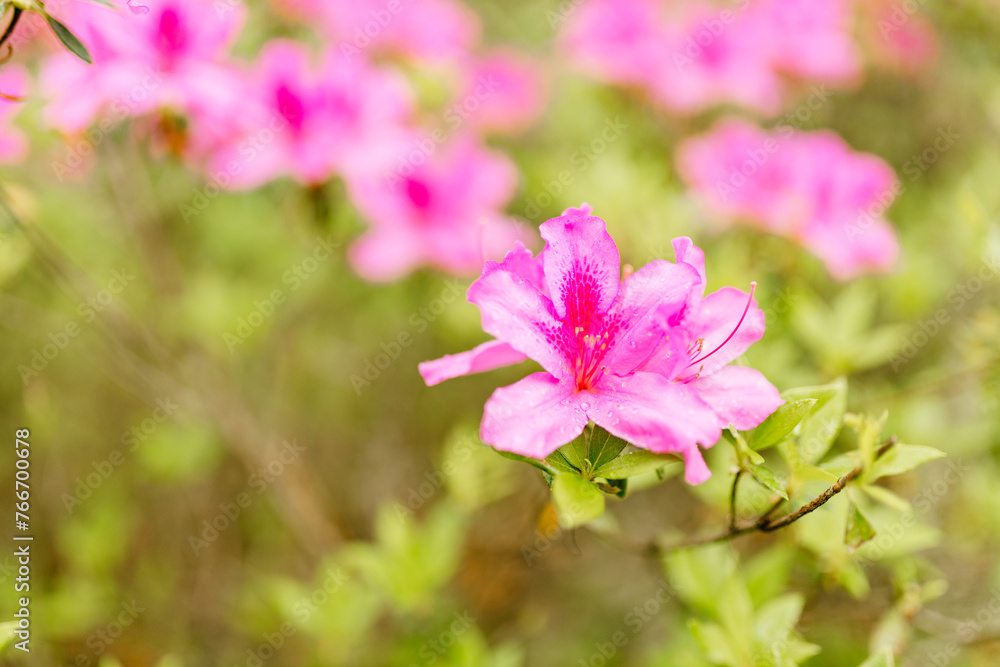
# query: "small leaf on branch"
(69, 40)
(523, 459)
(858, 529)
(780, 424)
(557, 461)
(635, 463)
(902, 458)
(604, 447)
(767, 478)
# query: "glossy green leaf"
(635, 463)
(780, 424)
(577, 501)
(557, 461)
(604, 447)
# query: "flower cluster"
(646, 358)
(346, 111)
(808, 186)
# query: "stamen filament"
(753, 286)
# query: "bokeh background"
(212, 486)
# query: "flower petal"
(516, 313)
(533, 417)
(739, 395)
(654, 413)
(687, 252)
(582, 266)
(652, 295)
(715, 319)
(491, 354)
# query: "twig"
(764, 523)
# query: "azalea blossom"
(173, 58)
(311, 122)
(808, 186)
(427, 30)
(501, 92)
(13, 88)
(644, 358)
(692, 55)
(442, 210)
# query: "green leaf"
(604, 447)
(69, 40)
(714, 642)
(635, 463)
(779, 425)
(575, 452)
(777, 618)
(767, 478)
(577, 501)
(902, 458)
(557, 461)
(820, 428)
(882, 659)
(858, 529)
(523, 459)
(886, 497)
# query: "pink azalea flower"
(502, 92)
(897, 40)
(444, 211)
(631, 355)
(13, 142)
(811, 39)
(711, 62)
(427, 30)
(311, 122)
(808, 186)
(618, 41)
(698, 54)
(171, 58)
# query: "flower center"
(587, 369)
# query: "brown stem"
(764, 523)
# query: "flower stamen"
(753, 286)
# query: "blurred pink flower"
(697, 54)
(709, 61)
(618, 352)
(13, 142)
(502, 92)
(171, 58)
(808, 186)
(444, 212)
(811, 39)
(618, 41)
(898, 40)
(311, 122)
(428, 30)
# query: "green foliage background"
(393, 537)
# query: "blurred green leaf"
(714, 642)
(902, 458)
(576, 500)
(858, 529)
(881, 659)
